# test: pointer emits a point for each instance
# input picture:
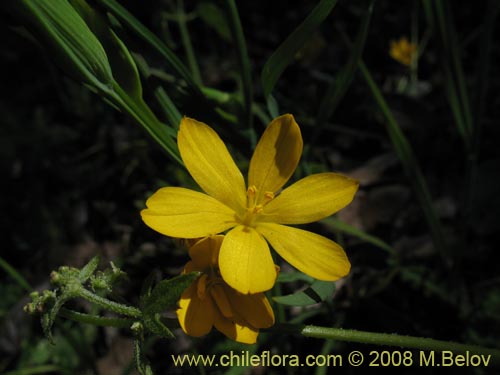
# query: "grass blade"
(343, 227)
(147, 36)
(12, 272)
(441, 20)
(186, 41)
(285, 53)
(337, 89)
(244, 61)
(410, 165)
(170, 110)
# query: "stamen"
(268, 197)
(251, 193)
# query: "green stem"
(186, 41)
(108, 304)
(389, 339)
(244, 61)
(411, 167)
(141, 113)
(95, 320)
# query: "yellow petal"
(311, 198)
(253, 308)
(245, 261)
(221, 300)
(205, 252)
(310, 253)
(276, 155)
(209, 162)
(179, 212)
(236, 330)
(196, 316)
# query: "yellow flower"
(403, 51)
(209, 301)
(253, 216)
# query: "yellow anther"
(251, 193)
(268, 197)
(258, 209)
(252, 190)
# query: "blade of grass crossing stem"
(411, 167)
(454, 101)
(243, 60)
(337, 89)
(455, 81)
(186, 41)
(139, 111)
(341, 226)
(286, 52)
(450, 86)
(12, 272)
(482, 75)
(168, 107)
(457, 64)
(147, 36)
(483, 69)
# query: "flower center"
(255, 205)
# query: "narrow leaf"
(285, 53)
(353, 231)
(126, 18)
(89, 269)
(339, 86)
(166, 293)
(289, 277)
(319, 291)
(154, 325)
(213, 16)
(14, 274)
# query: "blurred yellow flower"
(403, 51)
(210, 302)
(255, 216)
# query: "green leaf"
(122, 64)
(214, 17)
(411, 167)
(15, 275)
(289, 277)
(285, 53)
(141, 363)
(341, 226)
(339, 86)
(89, 269)
(272, 107)
(317, 292)
(243, 60)
(49, 317)
(164, 296)
(67, 38)
(166, 293)
(127, 19)
(154, 324)
(170, 110)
